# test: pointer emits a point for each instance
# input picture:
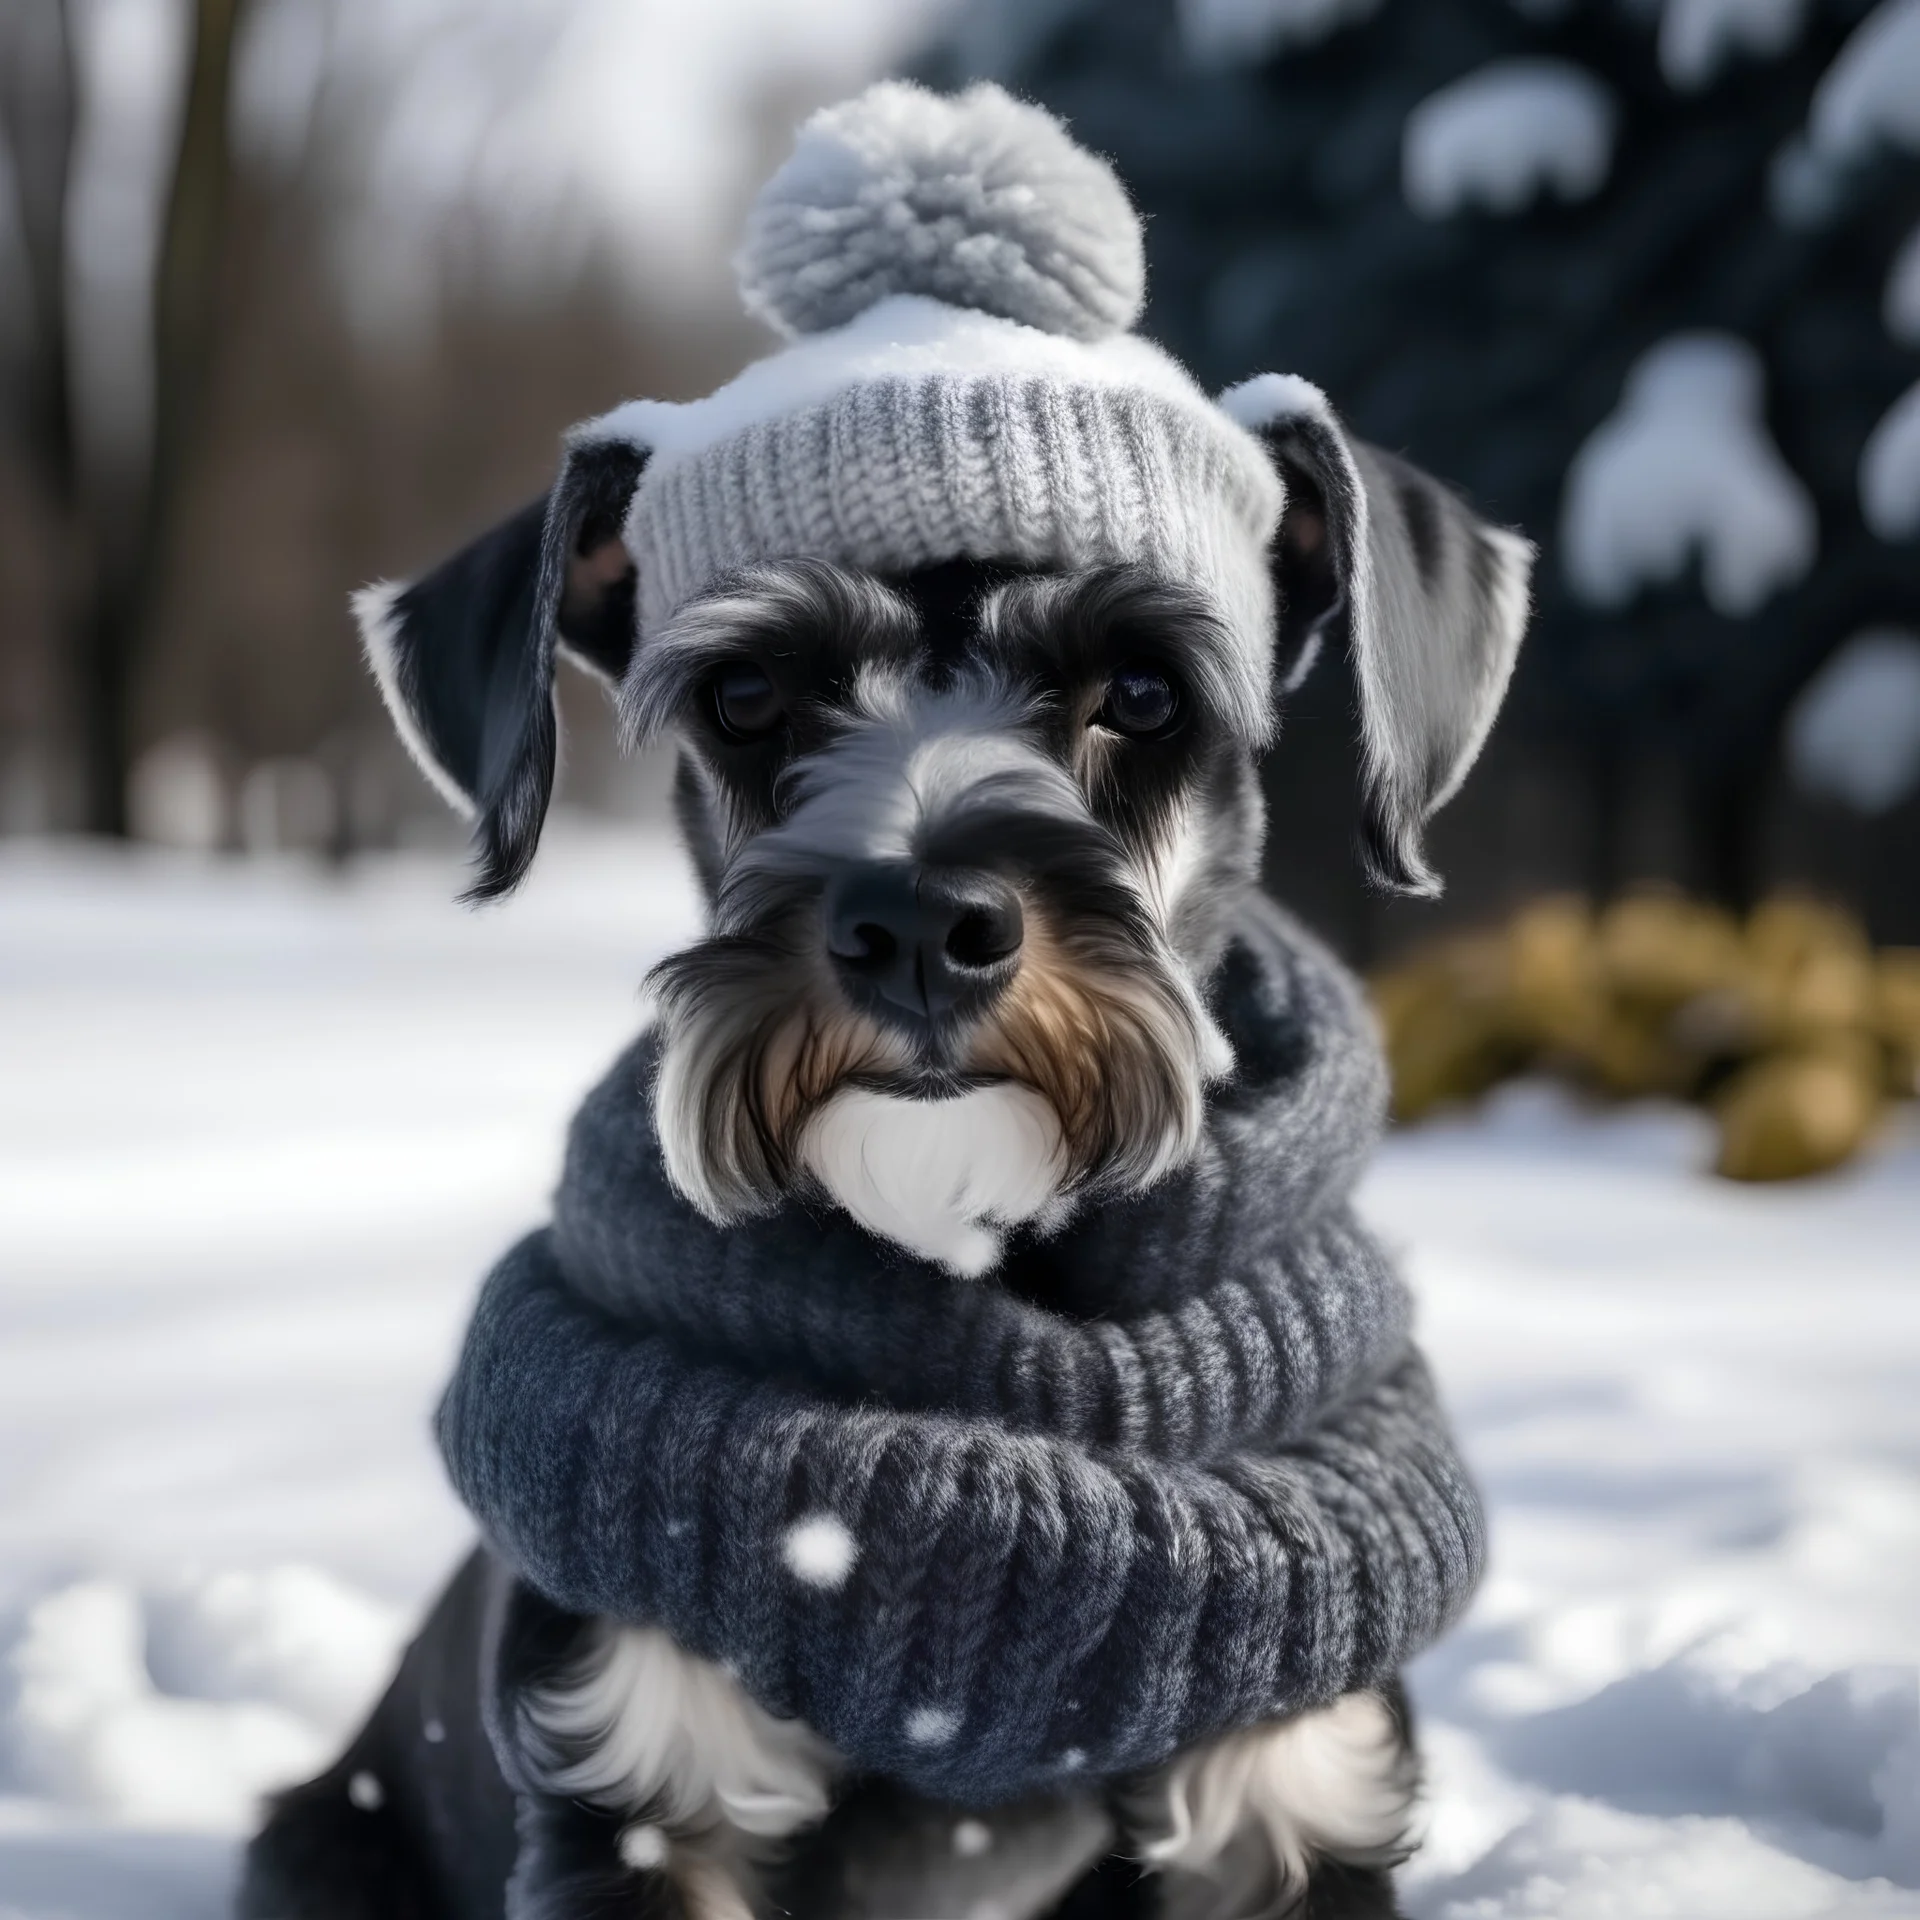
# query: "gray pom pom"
(981, 201)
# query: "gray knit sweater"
(1173, 1470)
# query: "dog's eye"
(1141, 701)
(746, 702)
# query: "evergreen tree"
(1492, 230)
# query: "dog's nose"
(929, 941)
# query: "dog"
(971, 834)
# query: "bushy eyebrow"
(1084, 623)
(837, 617)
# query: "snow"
(1684, 466)
(1868, 99)
(169, 1709)
(820, 1550)
(1689, 1686)
(1505, 134)
(1269, 398)
(1901, 303)
(971, 1838)
(1218, 33)
(932, 1726)
(906, 336)
(1698, 38)
(1890, 470)
(1854, 732)
(1870, 96)
(643, 1847)
(262, 1127)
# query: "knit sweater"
(1172, 1470)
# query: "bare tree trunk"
(38, 117)
(131, 550)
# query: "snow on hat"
(956, 279)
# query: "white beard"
(943, 1178)
(1260, 1806)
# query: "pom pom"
(981, 201)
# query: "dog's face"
(972, 837)
(971, 840)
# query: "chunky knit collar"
(1172, 1469)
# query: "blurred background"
(298, 293)
(295, 294)
(301, 292)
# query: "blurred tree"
(37, 117)
(38, 112)
(309, 306)
(1621, 270)
(114, 517)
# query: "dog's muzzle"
(914, 946)
(938, 985)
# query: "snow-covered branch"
(1220, 33)
(1854, 733)
(1699, 37)
(1503, 135)
(1871, 94)
(1890, 470)
(1901, 304)
(1684, 467)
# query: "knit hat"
(957, 280)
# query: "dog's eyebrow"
(836, 616)
(1092, 620)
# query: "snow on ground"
(1684, 468)
(261, 1130)
(1689, 1685)
(1505, 134)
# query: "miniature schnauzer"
(951, 825)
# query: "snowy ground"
(261, 1130)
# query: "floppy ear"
(1432, 601)
(464, 655)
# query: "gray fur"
(1178, 1470)
(1435, 649)
(1234, 680)
(973, 763)
(792, 601)
(1434, 602)
(1174, 1468)
(980, 200)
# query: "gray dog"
(954, 1452)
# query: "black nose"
(926, 940)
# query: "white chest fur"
(1243, 1819)
(710, 1778)
(943, 1178)
(664, 1731)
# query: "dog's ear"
(1431, 599)
(464, 655)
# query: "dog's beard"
(751, 1048)
(944, 1178)
(1088, 1074)
(1109, 1030)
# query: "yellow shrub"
(1797, 1113)
(1789, 1026)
